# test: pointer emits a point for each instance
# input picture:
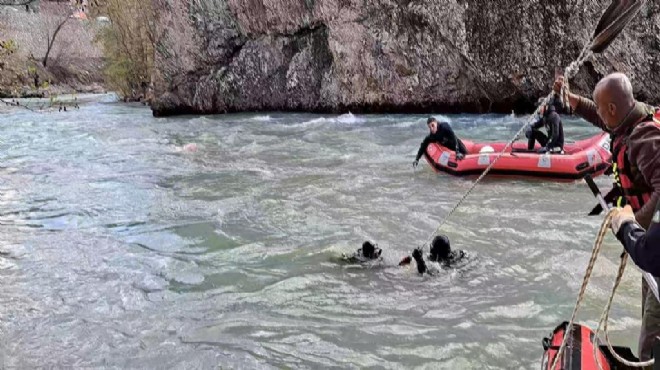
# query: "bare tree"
(35, 34)
(51, 34)
(16, 2)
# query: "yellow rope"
(585, 281)
(604, 318)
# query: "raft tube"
(579, 351)
(590, 156)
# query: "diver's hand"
(459, 156)
(415, 163)
(620, 217)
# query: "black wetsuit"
(444, 136)
(365, 254)
(448, 261)
(552, 123)
(453, 258)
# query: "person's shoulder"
(653, 124)
(646, 130)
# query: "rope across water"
(569, 72)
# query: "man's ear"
(611, 109)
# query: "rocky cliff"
(386, 55)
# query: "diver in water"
(440, 252)
(368, 253)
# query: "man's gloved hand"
(415, 163)
(558, 84)
(542, 150)
(459, 156)
(620, 217)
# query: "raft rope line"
(585, 281)
(604, 318)
(570, 71)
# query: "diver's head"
(432, 124)
(370, 250)
(440, 248)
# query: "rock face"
(387, 55)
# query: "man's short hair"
(431, 119)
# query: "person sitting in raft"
(553, 142)
(368, 253)
(441, 133)
(440, 252)
(642, 246)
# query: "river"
(120, 248)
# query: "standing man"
(636, 155)
(442, 134)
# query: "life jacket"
(578, 354)
(636, 195)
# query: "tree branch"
(51, 40)
(13, 3)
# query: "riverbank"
(56, 103)
(35, 61)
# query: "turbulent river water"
(121, 249)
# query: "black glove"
(415, 163)
(459, 156)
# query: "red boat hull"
(590, 156)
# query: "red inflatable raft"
(579, 351)
(590, 156)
